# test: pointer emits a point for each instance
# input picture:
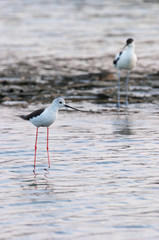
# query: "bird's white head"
(130, 42)
(58, 103)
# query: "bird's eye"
(60, 102)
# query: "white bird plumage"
(49, 115)
(126, 59)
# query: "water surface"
(103, 181)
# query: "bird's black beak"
(124, 46)
(72, 107)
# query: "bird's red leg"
(48, 146)
(35, 148)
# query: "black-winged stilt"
(126, 59)
(44, 118)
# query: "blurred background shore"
(51, 48)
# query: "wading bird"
(44, 118)
(126, 59)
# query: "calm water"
(104, 176)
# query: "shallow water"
(103, 181)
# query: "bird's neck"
(54, 108)
(131, 48)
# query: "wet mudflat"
(103, 182)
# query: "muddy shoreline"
(76, 79)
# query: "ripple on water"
(103, 179)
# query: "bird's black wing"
(117, 58)
(33, 114)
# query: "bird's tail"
(23, 117)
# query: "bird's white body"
(48, 115)
(127, 59)
(46, 118)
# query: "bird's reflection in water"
(41, 181)
(38, 184)
(122, 123)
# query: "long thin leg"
(126, 87)
(35, 149)
(118, 97)
(48, 146)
